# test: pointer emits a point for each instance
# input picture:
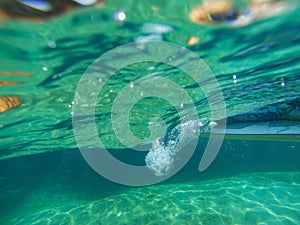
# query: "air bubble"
(119, 16)
(51, 44)
(131, 84)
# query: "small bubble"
(151, 68)
(141, 94)
(100, 79)
(45, 68)
(212, 124)
(119, 16)
(72, 113)
(155, 28)
(51, 44)
(131, 84)
(234, 76)
(111, 91)
(282, 83)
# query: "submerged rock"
(226, 12)
(9, 102)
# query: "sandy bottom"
(260, 198)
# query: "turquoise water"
(254, 178)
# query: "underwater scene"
(150, 112)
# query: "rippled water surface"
(257, 67)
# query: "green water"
(250, 182)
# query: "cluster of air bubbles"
(203, 122)
(71, 104)
(234, 77)
(161, 157)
